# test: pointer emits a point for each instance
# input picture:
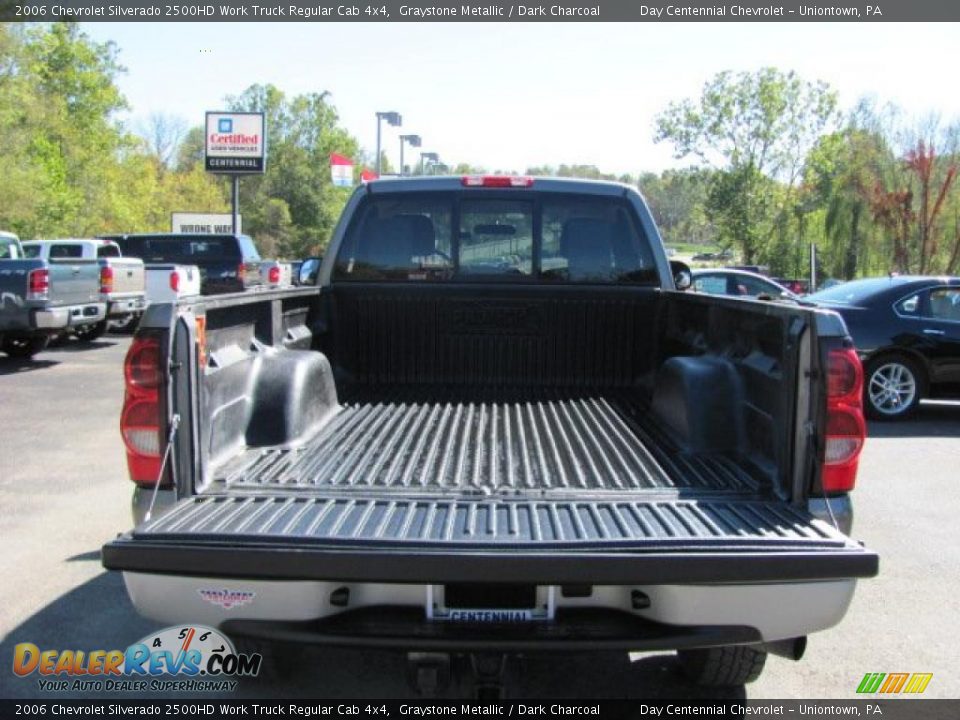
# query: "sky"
(511, 96)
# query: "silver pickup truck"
(39, 298)
(121, 278)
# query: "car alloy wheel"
(892, 388)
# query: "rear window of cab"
(499, 237)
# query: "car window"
(944, 304)
(711, 284)
(108, 250)
(447, 235)
(399, 238)
(909, 305)
(496, 237)
(593, 240)
(62, 250)
(8, 251)
(751, 286)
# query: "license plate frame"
(544, 610)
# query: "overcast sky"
(511, 96)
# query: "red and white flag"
(341, 170)
(366, 175)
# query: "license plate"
(543, 611)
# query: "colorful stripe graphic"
(892, 683)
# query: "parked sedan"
(738, 283)
(907, 332)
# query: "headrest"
(587, 243)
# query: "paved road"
(63, 492)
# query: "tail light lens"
(846, 429)
(273, 275)
(175, 281)
(242, 273)
(106, 279)
(141, 422)
(38, 284)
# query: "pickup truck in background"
(40, 298)
(275, 273)
(227, 263)
(121, 279)
(495, 426)
(171, 283)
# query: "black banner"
(479, 11)
(885, 709)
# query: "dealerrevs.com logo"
(199, 657)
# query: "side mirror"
(309, 269)
(682, 275)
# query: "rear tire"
(892, 387)
(23, 348)
(727, 666)
(89, 333)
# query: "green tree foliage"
(70, 168)
(678, 200)
(755, 129)
(295, 203)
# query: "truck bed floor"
(490, 446)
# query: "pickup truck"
(227, 263)
(121, 279)
(40, 298)
(496, 426)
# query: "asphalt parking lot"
(64, 491)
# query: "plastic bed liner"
(403, 444)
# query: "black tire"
(89, 333)
(727, 666)
(23, 348)
(879, 405)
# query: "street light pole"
(392, 118)
(414, 141)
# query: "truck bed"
(426, 444)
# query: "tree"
(164, 134)
(754, 129)
(302, 132)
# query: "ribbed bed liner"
(496, 445)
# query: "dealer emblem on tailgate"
(227, 599)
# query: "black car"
(228, 263)
(907, 332)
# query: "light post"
(393, 118)
(414, 141)
(432, 157)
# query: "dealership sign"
(208, 223)
(235, 142)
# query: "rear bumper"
(68, 316)
(125, 305)
(396, 615)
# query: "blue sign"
(225, 125)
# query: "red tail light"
(106, 279)
(242, 273)
(38, 284)
(141, 421)
(273, 275)
(846, 429)
(175, 281)
(496, 181)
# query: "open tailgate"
(610, 541)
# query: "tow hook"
(428, 673)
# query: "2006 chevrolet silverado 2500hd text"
(495, 426)
(40, 298)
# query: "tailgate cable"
(174, 424)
